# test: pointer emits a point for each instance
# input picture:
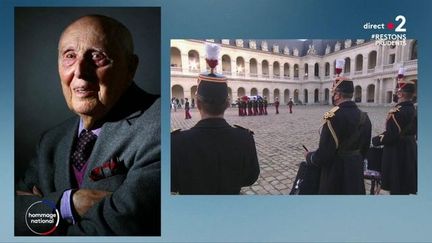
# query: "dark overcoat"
(213, 158)
(399, 159)
(344, 142)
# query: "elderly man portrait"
(101, 167)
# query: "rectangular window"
(392, 58)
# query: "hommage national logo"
(42, 217)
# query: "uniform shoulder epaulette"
(238, 126)
(327, 116)
(395, 109)
(331, 113)
(391, 115)
(174, 131)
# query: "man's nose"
(85, 69)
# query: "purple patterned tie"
(83, 148)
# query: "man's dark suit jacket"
(131, 132)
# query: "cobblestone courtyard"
(279, 140)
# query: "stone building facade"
(253, 67)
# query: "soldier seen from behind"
(399, 159)
(344, 142)
(212, 157)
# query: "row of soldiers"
(256, 105)
(252, 106)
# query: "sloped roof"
(302, 45)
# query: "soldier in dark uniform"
(212, 157)
(187, 108)
(244, 105)
(290, 105)
(277, 105)
(239, 105)
(260, 106)
(249, 106)
(399, 159)
(265, 105)
(344, 142)
(255, 106)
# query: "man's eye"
(97, 56)
(70, 55)
(100, 59)
(69, 58)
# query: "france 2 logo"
(390, 25)
(400, 27)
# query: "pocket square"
(110, 168)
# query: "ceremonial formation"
(252, 106)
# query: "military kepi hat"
(212, 87)
(404, 85)
(343, 85)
